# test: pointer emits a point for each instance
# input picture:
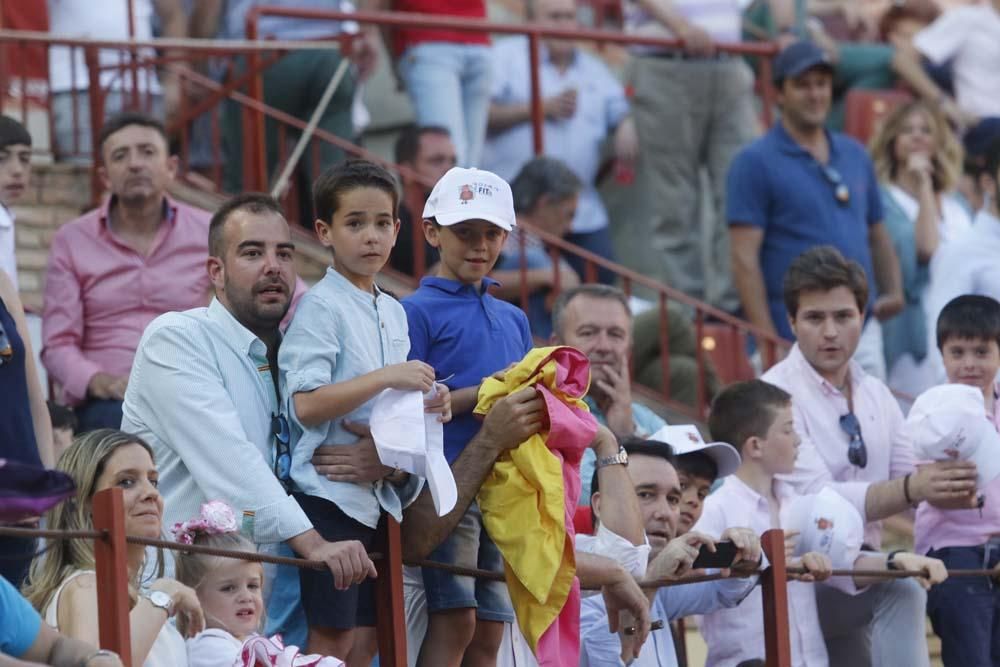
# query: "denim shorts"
(468, 546)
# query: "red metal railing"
(261, 54)
(111, 569)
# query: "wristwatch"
(162, 601)
(621, 458)
(890, 561)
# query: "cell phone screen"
(725, 553)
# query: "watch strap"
(621, 458)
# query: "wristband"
(906, 490)
(890, 561)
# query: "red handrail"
(534, 33)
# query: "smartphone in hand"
(722, 557)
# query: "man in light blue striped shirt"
(203, 390)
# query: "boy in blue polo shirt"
(465, 334)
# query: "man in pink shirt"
(852, 441)
(113, 270)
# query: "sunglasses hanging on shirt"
(6, 349)
(840, 190)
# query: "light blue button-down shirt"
(340, 332)
(196, 396)
(600, 648)
(577, 141)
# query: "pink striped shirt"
(936, 528)
(817, 407)
(100, 293)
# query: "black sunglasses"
(282, 436)
(6, 349)
(840, 190)
(857, 453)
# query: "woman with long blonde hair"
(62, 584)
(918, 162)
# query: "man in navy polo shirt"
(800, 186)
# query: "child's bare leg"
(364, 649)
(448, 635)
(330, 641)
(485, 644)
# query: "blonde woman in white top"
(62, 584)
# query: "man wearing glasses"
(800, 186)
(850, 425)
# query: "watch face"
(160, 599)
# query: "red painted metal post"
(254, 152)
(537, 111)
(391, 620)
(766, 91)
(95, 99)
(777, 645)
(111, 567)
(665, 345)
(701, 390)
(133, 55)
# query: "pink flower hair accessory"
(216, 518)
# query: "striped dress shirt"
(196, 396)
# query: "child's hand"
(791, 542)
(440, 403)
(410, 375)
(934, 570)
(818, 567)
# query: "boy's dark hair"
(744, 410)
(252, 202)
(822, 269)
(61, 416)
(969, 316)
(13, 132)
(123, 120)
(697, 464)
(543, 177)
(350, 175)
(408, 141)
(633, 445)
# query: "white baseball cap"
(827, 524)
(686, 439)
(948, 422)
(408, 438)
(471, 194)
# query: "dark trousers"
(98, 413)
(965, 611)
(15, 558)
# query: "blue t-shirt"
(19, 622)
(778, 186)
(467, 333)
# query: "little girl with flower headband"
(230, 592)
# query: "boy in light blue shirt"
(347, 343)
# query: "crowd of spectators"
(162, 325)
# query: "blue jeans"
(449, 86)
(965, 612)
(98, 413)
(283, 600)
